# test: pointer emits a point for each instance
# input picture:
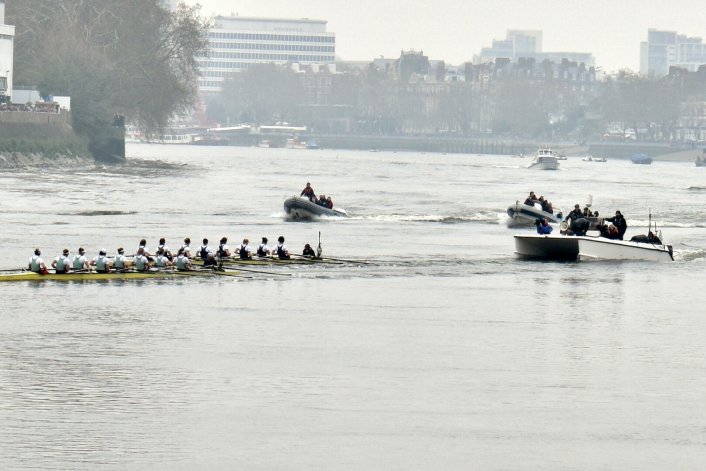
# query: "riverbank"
(20, 160)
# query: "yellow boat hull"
(130, 275)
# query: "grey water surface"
(443, 351)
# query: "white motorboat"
(590, 158)
(525, 215)
(544, 160)
(547, 247)
(609, 249)
(299, 207)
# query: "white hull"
(607, 249)
(545, 165)
(547, 247)
(525, 215)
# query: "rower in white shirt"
(62, 263)
(80, 262)
(140, 261)
(36, 264)
(121, 262)
(161, 260)
(182, 262)
(101, 262)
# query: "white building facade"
(664, 49)
(520, 43)
(236, 43)
(7, 46)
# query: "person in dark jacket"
(619, 221)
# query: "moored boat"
(641, 159)
(297, 207)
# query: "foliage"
(131, 57)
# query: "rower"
(141, 262)
(145, 251)
(308, 251)
(101, 262)
(36, 264)
(282, 251)
(206, 254)
(163, 246)
(161, 260)
(263, 250)
(62, 264)
(80, 262)
(223, 250)
(185, 248)
(182, 262)
(120, 262)
(245, 250)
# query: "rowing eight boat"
(127, 275)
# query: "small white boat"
(590, 158)
(609, 249)
(525, 215)
(544, 160)
(547, 247)
(299, 207)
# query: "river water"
(442, 351)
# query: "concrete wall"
(17, 117)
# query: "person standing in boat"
(245, 251)
(62, 263)
(575, 213)
(308, 191)
(282, 251)
(620, 223)
(263, 250)
(36, 264)
(101, 262)
(80, 262)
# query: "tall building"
(7, 44)
(527, 44)
(236, 43)
(664, 49)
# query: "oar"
(256, 271)
(324, 259)
(13, 269)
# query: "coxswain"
(308, 251)
(80, 262)
(121, 262)
(62, 263)
(140, 261)
(36, 264)
(161, 260)
(182, 262)
(282, 251)
(101, 262)
(263, 250)
(245, 251)
(308, 191)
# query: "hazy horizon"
(455, 31)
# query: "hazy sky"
(455, 30)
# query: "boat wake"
(481, 216)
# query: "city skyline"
(455, 31)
